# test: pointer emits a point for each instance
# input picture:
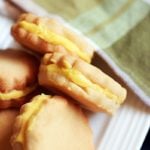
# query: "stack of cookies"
(51, 83)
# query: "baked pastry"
(7, 119)
(82, 81)
(50, 34)
(51, 123)
(18, 77)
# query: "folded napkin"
(120, 29)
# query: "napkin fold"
(120, 30)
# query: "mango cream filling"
(15, 94)
(44, 33)
(78, 78)
(28, 117)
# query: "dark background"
(146, 144)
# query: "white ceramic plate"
(125, 130)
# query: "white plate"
(125, 130)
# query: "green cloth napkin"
(120, 27)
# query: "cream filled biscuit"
(7, 119)
(18, 77)
(51, 123)
(82, 81)
(48, 35)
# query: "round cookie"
(18, 77)
(7, 119)
(82, 81)
(51, 123)
(44, 35)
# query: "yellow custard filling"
(28, 116)
(15, 94)
(78, 78)
(44, 33)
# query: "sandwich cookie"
(82, 81)
(7, 119)
(51, 123)
(49, 35)
(18, 77)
